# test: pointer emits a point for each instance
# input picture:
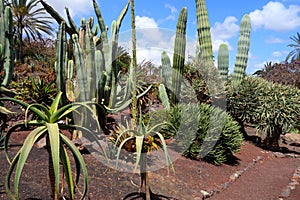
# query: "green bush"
(204, 132)
(272, 107)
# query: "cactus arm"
(223, 61)
(81, 73)
(179, 55)
(112, 71)
(90, 63)
(99, 65)
(56, 16)
(8, 50)
(121, 16)
(99, 17)
(166, 69)
(243, 50)
(163, 95)
(203, 28)
(71, 21)
(61, 57)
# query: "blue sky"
(273, 23)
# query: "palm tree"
(295, 53)
(29, 19)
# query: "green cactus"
(166, 69)
(172, 77)
(94, 61)
(61, 58)
(203, 29)
(223, 61)
(179, 55)
(243, 49)
(6, 44)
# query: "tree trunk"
(145, 176)
(272, 139)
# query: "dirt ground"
(257, 174)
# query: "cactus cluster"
(6, 44)
(90, 72)
(242, 54)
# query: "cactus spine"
(6, 44)
(223, 61)
(203, 29)
(243, 49)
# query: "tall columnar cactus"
(223, 61)
(203, 28)
(179, 55)
(172, 76)
(243, 50)
(6, 44)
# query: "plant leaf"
(77, 155)
(54, 139)
(24, 152)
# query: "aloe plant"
(145, 138)
(48, 126)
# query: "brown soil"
(256, 174)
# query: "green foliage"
(283, 73)
(30, 20)
(295, 53)
(47, 125)
(41, 92)
(205, 132)
(272, 107)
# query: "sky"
(272, 25)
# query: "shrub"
(204, 132)
(272, 107)
(284, 73)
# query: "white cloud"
(274, 40)
(222, 32)
(216, 44)
(171, 16)
(225, 30)
(145, 22)
(275, 16)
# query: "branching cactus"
(96, 70)
(6, 44)
(203, 29)
(243, 50)
(223, 61)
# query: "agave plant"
(140, 139)
(48, 126)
